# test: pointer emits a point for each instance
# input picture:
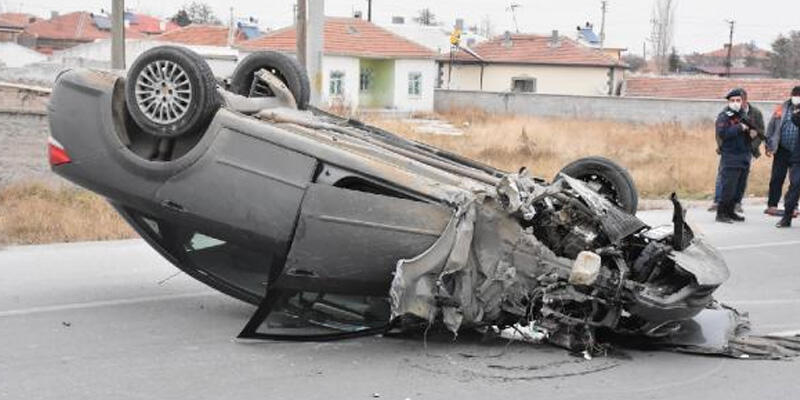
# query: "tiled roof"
(200, 35)
(721, 70)
(740, 50)
(346, 36)
(151, 25)
(77, 25)
(706, 88)
(16, 20)
(537, 49)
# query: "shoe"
(724, 219)
(739, 209)
(784, 223)
(773, 211)
(736, 217)
(713, 207)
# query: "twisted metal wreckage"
(329, 223)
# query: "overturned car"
(335, 228)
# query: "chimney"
(554, 40)
(460, 24)
(357, 14)
(398, 20)
(507, 39)
(53, 14)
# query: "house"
(364, 65)
(435, 38)
(586, 36)
(705, 88)
(68, 30)
(12, 25)
(533, 64)
(742, 55)
(207, 35)
(733, 72)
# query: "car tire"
(284, 67)
(615, 181)
(185, 85)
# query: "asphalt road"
(110, 321)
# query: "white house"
(365, 66)
(533, 64)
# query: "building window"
(414, 84)
(337, 83)
(523, 85)
(366, 79)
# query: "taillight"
(56, 153)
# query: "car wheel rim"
(163, 92)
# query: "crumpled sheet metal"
(483, 263)
(703, 261)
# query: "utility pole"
(604, 8)
(231, 30)
(312, 13)
(300, 20)
(513, 8)
(730, 49)
(118, 34)
(369, 10)
(644, 50)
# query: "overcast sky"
(700, 24)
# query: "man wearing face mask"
(735, 154)
(754, 119)
(793, 194)
(782, 135)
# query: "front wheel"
(607, 178)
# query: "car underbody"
(336, 229)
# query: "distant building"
(12, 25)
(734, 72)
(587, 36)
(533, 64)
(435, 38)
(68, 30)
(688, 87)
(365, 65)
(743, 55)
(210, 35)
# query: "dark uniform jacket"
(735, 143)
(757, 119)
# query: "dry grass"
(32, 213)
(662, 158)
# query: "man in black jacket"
(735, 154)
(792, 196)
(782, 135)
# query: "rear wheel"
(284, 67)
(170, 93)
(607, 178)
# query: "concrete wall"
(645, 110)
(572, 80)
(402, 100)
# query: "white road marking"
(763, 302)
(759, 245)
(786, 333)
(102, 303)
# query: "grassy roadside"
(34, 213)
(662, 158)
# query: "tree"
(196, 12)
(662, 32)
(426, 17)
(635, 62)
(784, 61)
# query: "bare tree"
(487, 27)
(662, 32)
(426, 17)
(195, 12)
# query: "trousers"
(740, 189)
(733, 178)
(780, 165)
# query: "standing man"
(790, 202)
(754, 119)
(735, 154)
(782, 135)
